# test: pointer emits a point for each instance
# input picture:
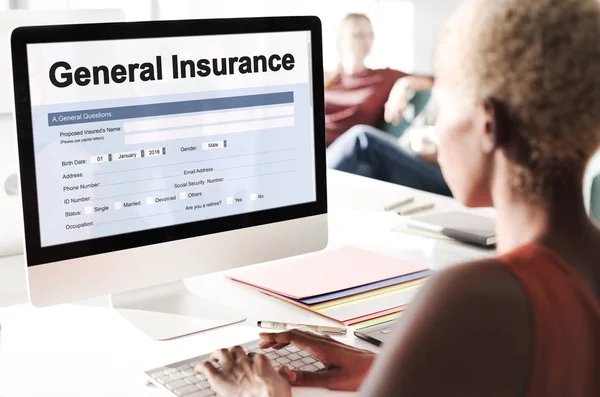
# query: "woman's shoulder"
(470, 325)
(488, 281)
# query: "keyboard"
(181, 380)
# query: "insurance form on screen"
(137, 134)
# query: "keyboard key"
(283, 360)
(272, 356)
(304, 353)
(186, 390)
(202, 393)
(297, 364)
(169, 371)
(176, 384)
(319, 365)
(191, 379)
(203, 385)
(308, 360)
(189, 372)
(294, 357)
(177, 375)
(195, 363)
(183, 367)
(156, 375)
(164, 379)
(200, 377)
(292, 349)
(309, 368)
(253, 347)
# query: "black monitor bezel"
(21, 37)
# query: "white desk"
(87, 350)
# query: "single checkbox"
(88, 210)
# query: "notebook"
(459, 225)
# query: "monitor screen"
(138, 134)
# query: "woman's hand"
(243, 375)
(345, 367)
(397, 101)
(401, 94)
(423, 143)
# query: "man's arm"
(468, 334)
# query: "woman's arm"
(401, 93)
(468, 334)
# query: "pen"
(414, 210)
(393, 206)
(317, 328)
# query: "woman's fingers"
(279, 346)
(318, 346)
(299, 338)
(240, 357)
(212, 374)
(310, 379)
(223, 357)
(261, 364)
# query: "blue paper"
(313, 300)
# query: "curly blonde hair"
(539, 59)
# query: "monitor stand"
(170, 310)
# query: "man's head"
(355, 38)
(518, 94)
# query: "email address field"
(208, 130)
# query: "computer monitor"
(150, 152)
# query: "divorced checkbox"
(150, 200)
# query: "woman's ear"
(497, 125)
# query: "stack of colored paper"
(349, 285)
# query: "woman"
(518, 120)
(355, 94)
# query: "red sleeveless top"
(566, 324)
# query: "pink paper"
(324, 272)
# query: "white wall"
(430, 18)
(392, 20)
